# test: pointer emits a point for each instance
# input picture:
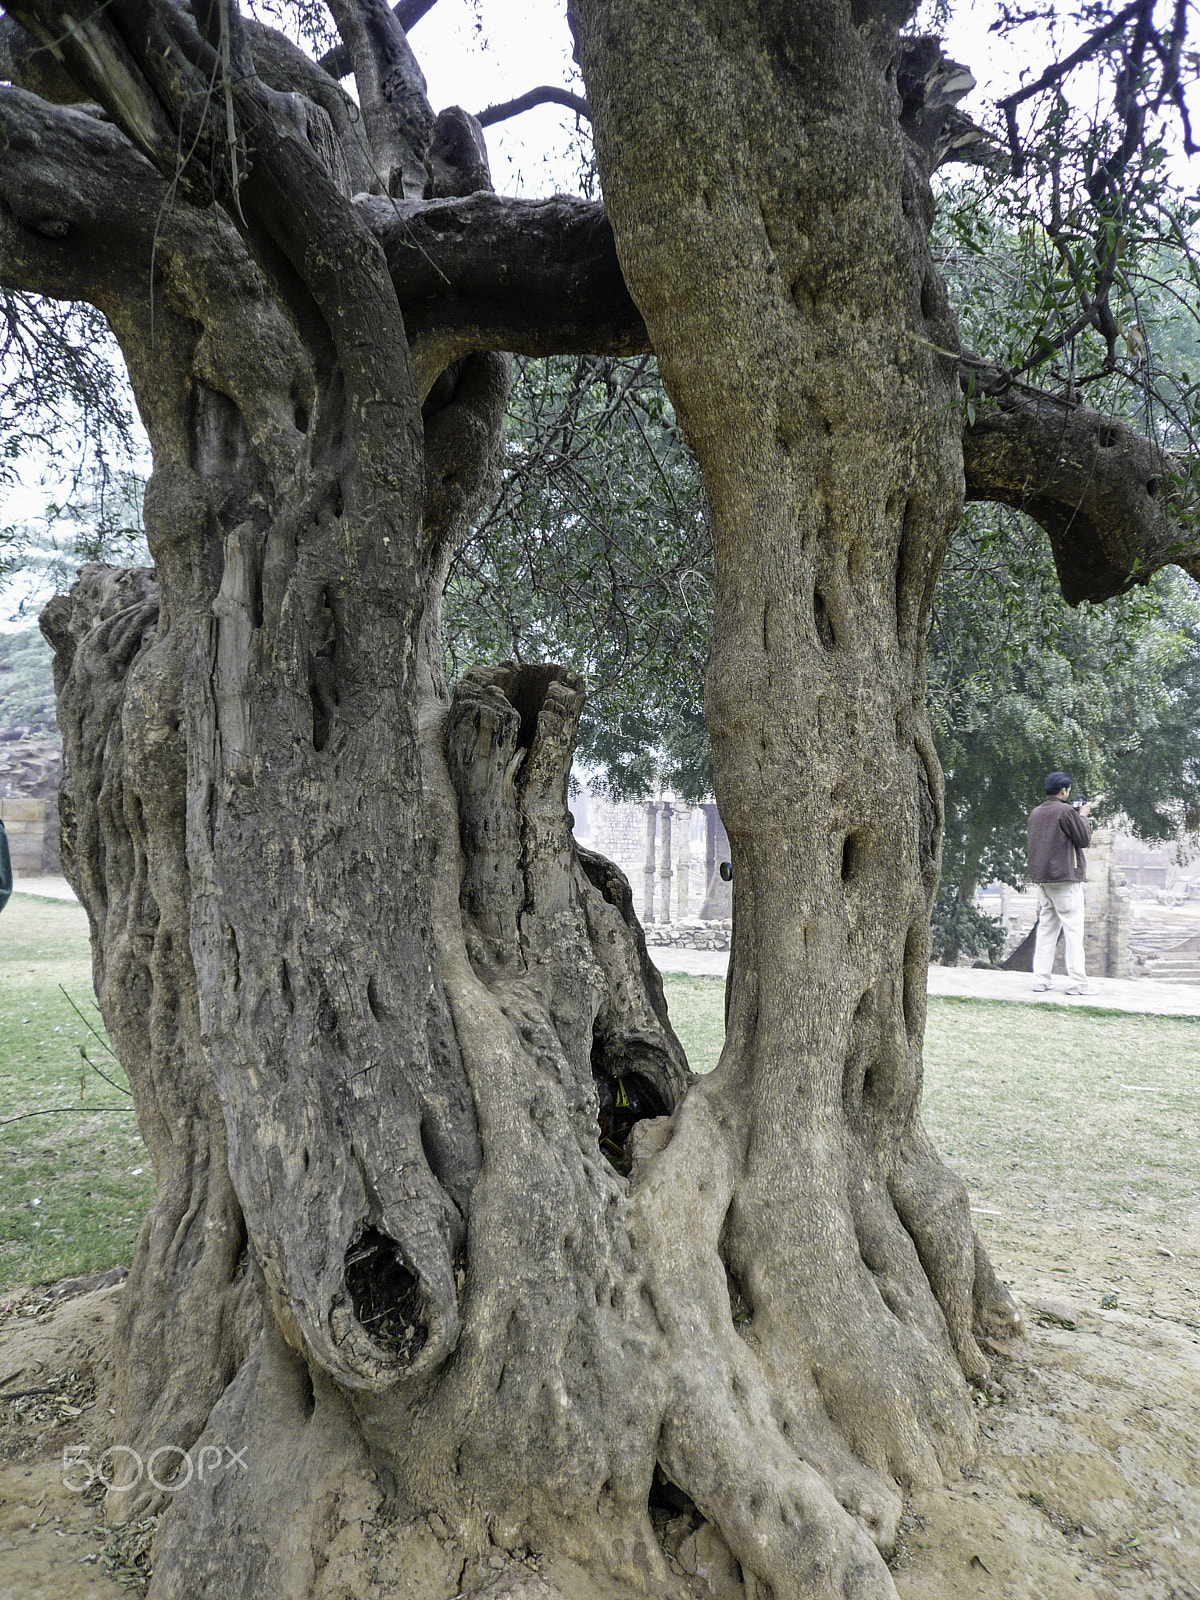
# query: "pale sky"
(522, 43)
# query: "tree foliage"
(66, 420)
(1021, 684)
(97, 518)
(596, 550)
(26, 684)
(1084, 171)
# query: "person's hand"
(1085, 809)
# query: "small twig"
(101, 1040)
(1059, 69)
(1130, 112)
(24, 1394)
(120, 1087)
(61, 1111)
(88, 1024)
(929, 345)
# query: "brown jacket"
(1057, 834)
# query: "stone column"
(716, 903)
(1006, 896)
(648, 869)
(664, 860)
(1120, 917)
(683, 859)
(1096, 902)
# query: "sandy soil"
(52, 1544)
(1087, 1482)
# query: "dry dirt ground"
(1087, 1482)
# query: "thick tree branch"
(478, 273)
(96, 57)
(391, 90)
(545, 95)
(79, 203)
(271, 179)
(31, 66)
(930, 86)
(543, 277)
(538, 277)
(279, 64)
(1107, 496)
(84, 216)
(337, 63)
(287, 70)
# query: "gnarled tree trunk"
(447, 1242)
(804, 347)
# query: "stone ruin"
(672, 853)
(30, 773)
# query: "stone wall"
(30, 773)
(26, 826)
(691, 935)
(1173, 866)
(619, 832)
(671, 853)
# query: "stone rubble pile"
(691, 934)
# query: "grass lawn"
(1068, 1118)
(73, 1186)
(1079, 1112)
(1044, 1112)
(697, 1007)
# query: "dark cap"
(1057, 781)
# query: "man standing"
(1058, 833)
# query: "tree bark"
(772, 227)
(447, 1238)
(187, 1312)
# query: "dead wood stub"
(525, 689)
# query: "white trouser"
(1060, 906)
